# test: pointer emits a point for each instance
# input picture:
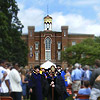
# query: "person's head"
(42, 69)
(97, 63)
(86, 84)
(58, 68)
(37, 69)
(9, 65)
(53, 69)
(16, 66)
(80, 66)
(50, 73)
(77, 65)
(2, 63)
(23, 71)
(66, 70)
(86, 67)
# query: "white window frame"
(59, 55)
(31, 54)
(65, 48)
(36, 55)
(73, 43)
(36, 45)
(48, 49)
(64, 32)
(30, 33)
(59, 45)
(31, 48)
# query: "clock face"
(53, 68)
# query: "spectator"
(5, 88)
(69, 80)
(1, 80)
(95, 82)
(15, 80)
(86, 90)
(28, 76)
(63, 74)
(86, 76)
(24, 82)
(82, 71)
(76, 76)
(9, 66)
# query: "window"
(48, 49)
(73, 43)
(65, 48)
(59, 45)
(36, 45)
(64, 33)
(31, 48)
(48, 55)
(30, 33)
(59, 55)
(36, 55)
(31, 54)
(47, 44)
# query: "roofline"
(79, 34)
(47, 16)
(61, 32)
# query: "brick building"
(47, 45)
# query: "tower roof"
(47, 17)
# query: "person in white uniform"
(15, 80)
(5, 88)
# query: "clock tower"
(47, 23)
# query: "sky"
(81, 16)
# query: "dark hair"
(37, 67)
(2, 61)
(8, 65)
(97, 62)
(65, 70)
(86, 84)
(58, 66)
(15, 63)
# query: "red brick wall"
(55, 38)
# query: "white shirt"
(4, 88)
(8, 71)
(15, 81)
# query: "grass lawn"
(69, 98)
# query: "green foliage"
(12, 47)
(85, 52)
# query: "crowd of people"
(39, 83)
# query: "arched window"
(48, 49)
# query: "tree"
(85, 52)
(12, 47)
